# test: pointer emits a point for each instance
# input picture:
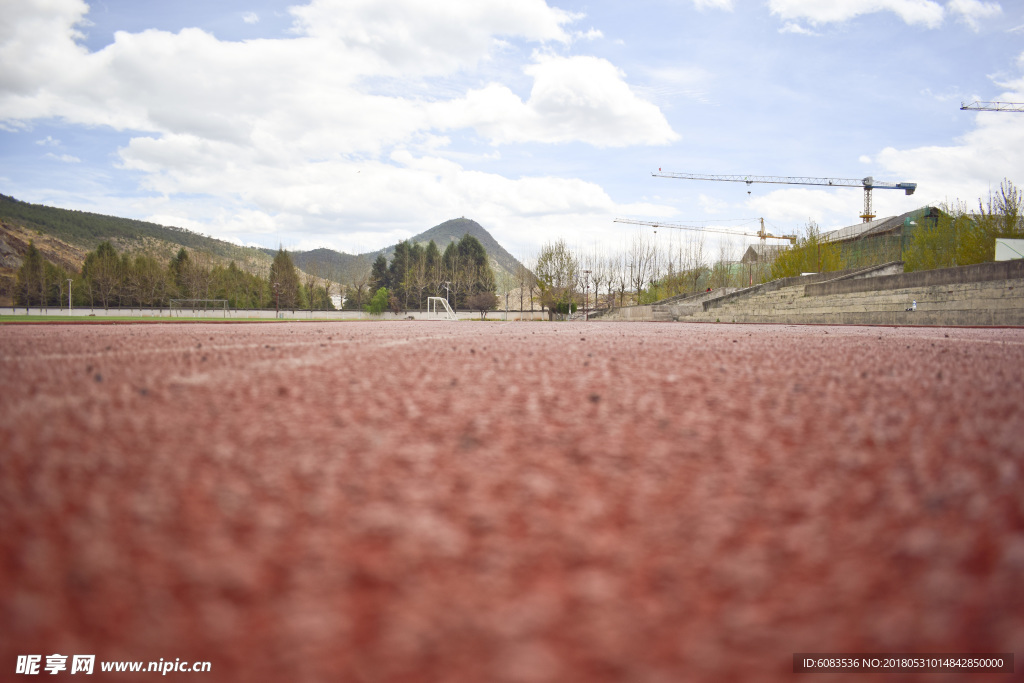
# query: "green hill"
(86, 230)
(329, 261)
(65, 236)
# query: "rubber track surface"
(509, 501)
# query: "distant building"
(762, 253)
(757, 261)
(882, 240)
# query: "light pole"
(277, 299)
(586, 295)
(69, 296)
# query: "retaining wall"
(803, 280)
(981, 272)
(993, 302)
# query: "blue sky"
(351, 124)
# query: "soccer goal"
(438, 305)
(196, 307)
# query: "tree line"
(646, 269)
(649, 267)
(109, 279)
(462, 274)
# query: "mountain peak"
(455, 229)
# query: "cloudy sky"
(352, 124)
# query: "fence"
(260, 314)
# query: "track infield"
(509, 501)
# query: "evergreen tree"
(31, 282)
(432, 258)
(478, 266)
(452, 274)
(178, 267)
(379, 276)
(398, 271)
(284, 275)
(418, 278)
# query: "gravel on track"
(518, 502)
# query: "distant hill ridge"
(84, 231)
(330, 261)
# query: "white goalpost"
(438, 305)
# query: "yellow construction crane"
(762, 234)
(679, 226)
(868, 184)
(992, 106)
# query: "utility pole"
(69, 296)
(586, 295)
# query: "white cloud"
(792, 27)
(980, 159)
(412, 191)
(713, 4)
(864, 159)
(572, 99)
(795, 206)
(817, 12)
(712, 205)
(592, 34)
(48, 141)
(287, 135)
(65, 158)
(251, 18)
(429, 37)
(971, 11)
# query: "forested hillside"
(86, 230)
(64, 238)
(453, 231)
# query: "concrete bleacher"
(983, 294)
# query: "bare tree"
(721, 271)
(597, 264)
(506, 282)
(522, 276)
(641, 261)
(693, 259)
(360, 280)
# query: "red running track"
(509, 501)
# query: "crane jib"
(866, 183)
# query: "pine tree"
(379, 276)
(30, 278)
(286, 278)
